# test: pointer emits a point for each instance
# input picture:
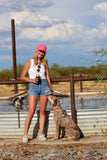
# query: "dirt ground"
(55, 150)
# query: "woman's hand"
(35, 80)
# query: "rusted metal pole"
(81, 86)
(73, 111)
(14, 52)
(19, 119)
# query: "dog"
(62, 119)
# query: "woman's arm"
(24, 73)
(48, 76)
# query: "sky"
(69, 28)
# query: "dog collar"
(53, 109)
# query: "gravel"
(53, 152)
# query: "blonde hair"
(44, 60)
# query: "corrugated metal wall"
(90, 122)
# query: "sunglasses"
(38, 69)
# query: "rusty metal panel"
(90, 122)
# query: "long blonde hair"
(44, 60)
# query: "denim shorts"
(40, 89)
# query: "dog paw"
(69, 139)
(55, 138)
(65, 139)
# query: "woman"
(38, 87)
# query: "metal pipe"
(56, 79)
(81, 85)
(14, 53)
(73, 111)
(19, 119)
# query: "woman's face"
(40, 54)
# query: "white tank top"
(33, 71)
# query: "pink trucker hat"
(41, 47)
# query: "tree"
(101, 54)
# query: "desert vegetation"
(59, 71)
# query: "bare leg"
(43, 104)
(32, 106)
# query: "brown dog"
(62, 119)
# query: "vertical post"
(72, 97)
(14, 52)
(19, 119)
(81, 87)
